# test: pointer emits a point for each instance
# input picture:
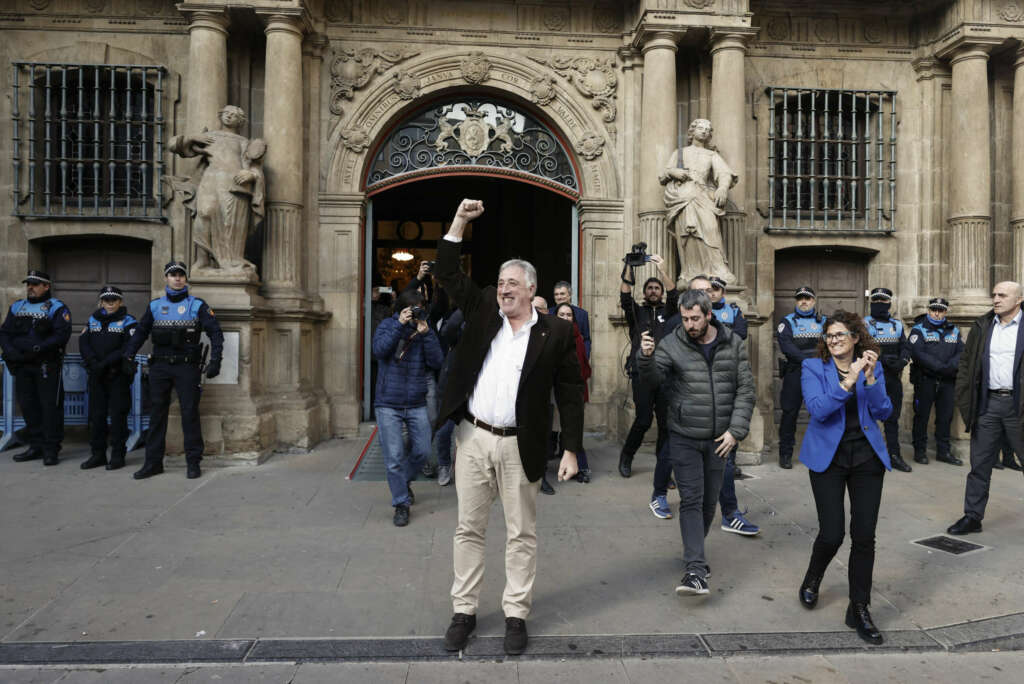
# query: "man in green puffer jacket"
(706, 374)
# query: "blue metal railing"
(76, 402)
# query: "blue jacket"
(402, 382)
(826, 404)
(583, 323)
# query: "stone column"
(282, 129)
(207, 70)
(1017, 208)
(728, 116)
(970, 187)
(657, 139)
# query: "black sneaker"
(401, 518)
(515, 635)
(429, 470)
(692, 584)
(458, 632)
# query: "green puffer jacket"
(705, 399)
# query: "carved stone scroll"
(353, 68)
(593, 77)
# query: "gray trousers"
(1001, 419)
(698, 472)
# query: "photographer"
(649, 316)
(407, 351)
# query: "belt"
(173, 359)
(500, 431)
(1001, 392)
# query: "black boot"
(116, 461)
(50, 459)
(29, 454)
(858, 617)
(786, 461)
(545, 486)
(949, 458)
(921, 457)
(148, 470)
(1011, 462)
(809, 590)
(98, 458)
(625, 465)
(899, 464)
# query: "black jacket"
(935, 349)
(103, 349)
(32, 340)
(972, 373)
(550, 363)
(644, 316)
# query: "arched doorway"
(482, 148)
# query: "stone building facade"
(877, 144)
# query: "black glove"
(14, 356)
(127, 365)
(213, 368)
(91, 365)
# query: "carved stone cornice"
(928, 68)
(353, 68)
(966, 46)
(593, 77)
(731, 39)
(654, 38)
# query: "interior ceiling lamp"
(401, 255)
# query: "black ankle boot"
(98, 458)
(625, 465)
(858, 617)
(809, 591)
(899, 464)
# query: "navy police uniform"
(176, 322)
(895, 355)
(102, 344)
(33, 337)
(798, 336)
(935, 347)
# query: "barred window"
(831, 159)
(87, 141)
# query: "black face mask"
(880, 309)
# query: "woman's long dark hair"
(566, 304)
(855, 324)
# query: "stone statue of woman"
(697, 182)
(228, 201)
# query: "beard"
(697, 334)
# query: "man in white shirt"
(988, 396)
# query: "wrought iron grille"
(470, 135)
(87, 141)
(831, 159)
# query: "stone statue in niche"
(228, 203)
(697, 182)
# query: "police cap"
(881, 294)
(804, 291)
(36, 277)
(717, 283)
(175, 266)
(111, 292)
(939, 303)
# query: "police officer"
(798, 335)
(176, 321)
(33, 337)
(935, 347)
(726, 312)
(102, 344)
(888, 332)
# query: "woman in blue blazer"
(844, 451)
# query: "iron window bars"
(88, 141)
(831, 159)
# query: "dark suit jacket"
(550, 363)
(583, 323)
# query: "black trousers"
(792, 399)
(110, 395)
(184, 379)
(40, 394)
(999, 423)
(894, 388)
(649, 403)
(930, 392)
(864, 485)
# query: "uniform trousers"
(489, 467)
(184, 379)
(940, 393)
(40, 394)
(792, 399)
(110, 394)
(894, 388)
(1000, 421)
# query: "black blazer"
(550, 363)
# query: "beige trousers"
(487, 466)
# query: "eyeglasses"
(835, 337)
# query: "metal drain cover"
(947, 544)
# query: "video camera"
(419, 313)
(637, 255)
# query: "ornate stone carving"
(542, 89)
(1012, 11)
(95, 6)
(353, 68)
(355, 139)
(39, 5)
(607, 19)
(778, 28)
(474, 134)
(874, 30)
(700, 4)
(594, 77)
(406, 85)
(151, 7)
(339, 10)
(825, 29)
(476, 68)
(556, 18)
(229, 197)
(394, 12)
(590, 146)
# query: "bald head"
(1006, 299)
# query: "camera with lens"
(419, 313)
(430, 266)
(637, 255)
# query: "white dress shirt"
(1002, 348)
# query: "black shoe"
(692, 584)
(964, 525)
(736, 472)
(809, 591)
(50, 460)
(148, 470)
(671, 484)
(94, 461)
(27, 455)
(545, 486)
(194, 471)
(458, 632)
(899, 464)
(998, 466)
(949, 458)
(429, 471)
(116, 462)
(401, 518)
(585, 475)
(625, 465)
(515, 635)
(858, 617)
(1011, 463)
(786, 461)
(921, 458)
(412, 497)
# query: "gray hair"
(692, 298)
(528, 269)
(563, 283)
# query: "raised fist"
(469, 209)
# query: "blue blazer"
(826, 403)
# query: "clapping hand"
(870, 361)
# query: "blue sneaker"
(737, 524)
(659, 507)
